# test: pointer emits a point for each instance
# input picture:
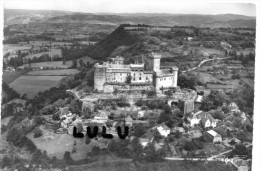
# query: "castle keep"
(145, 76)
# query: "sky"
(138, 6)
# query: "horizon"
(125, 13)
(136, 7)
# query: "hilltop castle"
(145, 76)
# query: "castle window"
(140, 78)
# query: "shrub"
(38, 120)
(37, 133)
(3, 129)
(6, 161)
(140, 103)
(56, 117)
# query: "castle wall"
(164, 82)
(175, 78)
(141, 76)
(99, 78)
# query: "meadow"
(9, 77)
(53, 52)
(31, 85)
(61, 72)
(59, 64)
(15, 47)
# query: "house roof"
(205, 116)
(163, 72)
(102, 115)
(119, 58)
(199, 98)
(213, 133)
(148, 135)
(233, 105)
(64, 111)
(164, 126)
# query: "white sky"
(137, 6)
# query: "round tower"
(175, 76)
(99, 77)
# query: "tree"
(215, 99)
(37, 133)
(81, 63)
(168, 93)
(136, 150)
(151, 93)
(139, 130)
(187, 82)
(128, 79)
(240, 149)
(67, 158)
(153, 155)
(74, 63)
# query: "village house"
(146, 138)
(186, 106)
(129, 121)
(163, 129)
(208, 121)
(205, 119)
(233, 107)
(215, 136)
(101, 117)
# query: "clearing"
(61, 72)
(31, 85)
(9, 77)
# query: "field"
(61, 72)
(31, 85)
(9, 77)
(57, 144)
(53, 52)
(52, 64)
(59, 64)
(160, 166)
(214, 51)
(15, 47)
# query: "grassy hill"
(117, 38)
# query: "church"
(147, 75)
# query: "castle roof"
(154, 55)
(163, 72)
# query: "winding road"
(202, 62)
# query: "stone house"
(163, 129)
(215, 136)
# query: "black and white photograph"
(129, 85)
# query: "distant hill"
(12, 16)
(19, 16)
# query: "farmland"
(51, 53)
(59, 64)
(9, 77)
(61, 72)
(15, 47)
(31, 85)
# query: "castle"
(145, 76)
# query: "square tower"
(153, 62)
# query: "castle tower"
(153, 62)
(174, 70)
(99, 77)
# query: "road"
(202, 62)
